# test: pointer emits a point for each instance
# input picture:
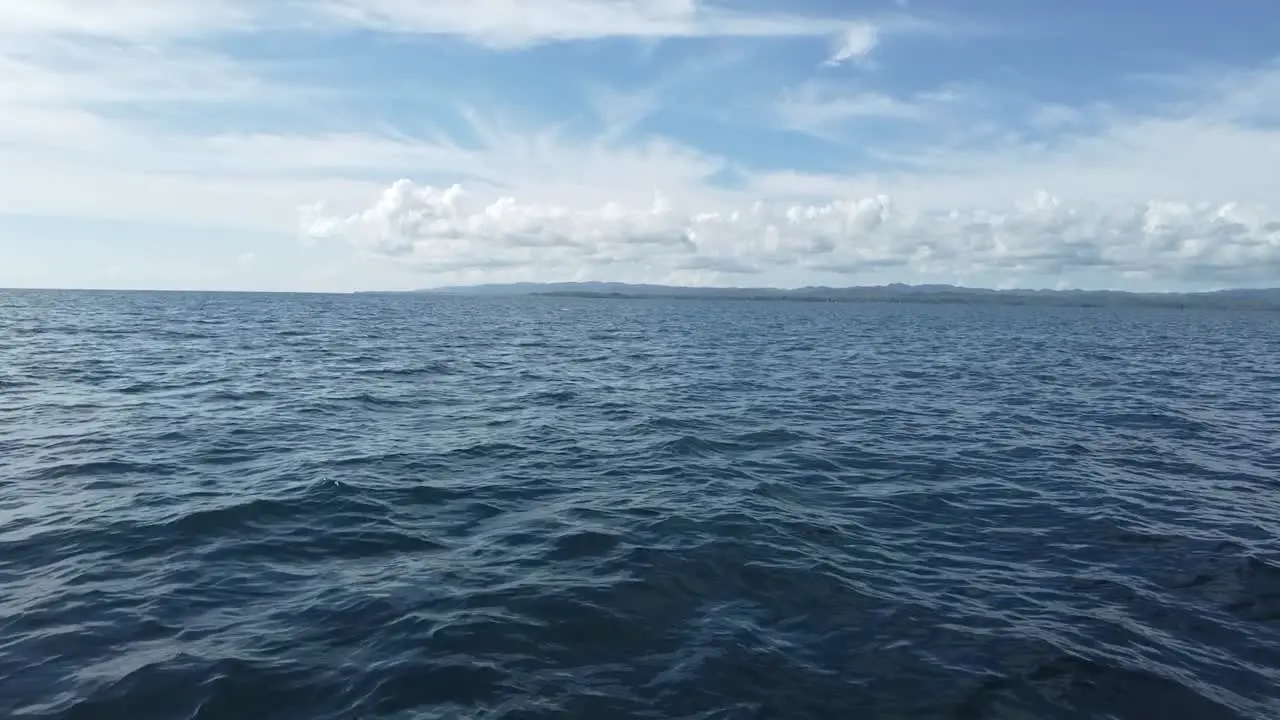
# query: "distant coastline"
(1238, 299)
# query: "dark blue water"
(254, 507)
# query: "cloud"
(120, 19)
(80, 82)
(499, 24)
(1209, 140)
(440, 231)
(253, 181)
(91, 108)
(134, 110)
(59, 73)
(855, 43)
(622, 111)
(858, 115)
(822, 109)
(140, 111)
(520, 23)
(96, 111)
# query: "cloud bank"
(445, 230)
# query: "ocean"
(255, 506)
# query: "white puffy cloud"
(441, 231)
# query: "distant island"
(1242, 299)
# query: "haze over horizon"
(401, 144)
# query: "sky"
(339, 145)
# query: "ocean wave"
(391, 506)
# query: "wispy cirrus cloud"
(521, 23)
(66, 73)
(855, 43)
(839, 113)
(123, 19)
(820, 108)
(502, 24)
(1189, 136)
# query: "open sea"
(260, 507)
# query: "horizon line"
(707, 288)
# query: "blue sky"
(313, 144)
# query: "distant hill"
(1245, 298)
(602, 288)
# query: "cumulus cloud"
(447, 230)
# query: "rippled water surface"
(253, 507)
